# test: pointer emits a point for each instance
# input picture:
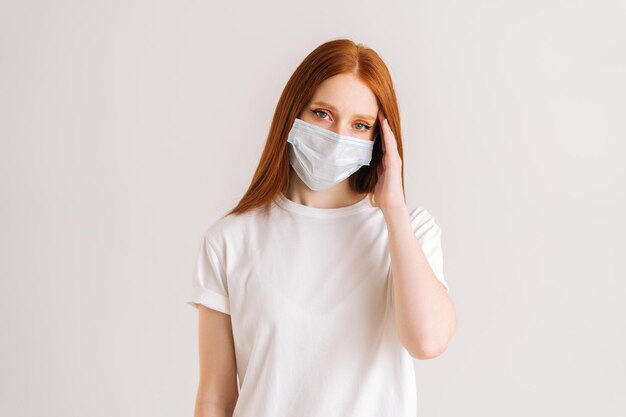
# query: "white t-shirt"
(310, 298)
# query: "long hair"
(334, 57)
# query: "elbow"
(428, 347)
(428, 350)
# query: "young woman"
(314, 299)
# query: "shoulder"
(230, 228)
(421, 218)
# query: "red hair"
(334, 57)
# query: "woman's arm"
(217, 390)
(425, 315)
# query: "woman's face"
(344, 105)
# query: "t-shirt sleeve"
(209, 286)
(428, 234)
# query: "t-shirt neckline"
(292, 206)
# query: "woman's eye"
(320, 111)
(324, 116)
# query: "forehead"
(347, 94)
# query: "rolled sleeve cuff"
(208, 298)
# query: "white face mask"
(323, 158)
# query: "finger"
(381, 123)
(390, 138)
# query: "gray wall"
(127, 127)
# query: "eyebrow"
(330, 106)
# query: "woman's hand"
(388, 193)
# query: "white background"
(128, 126)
